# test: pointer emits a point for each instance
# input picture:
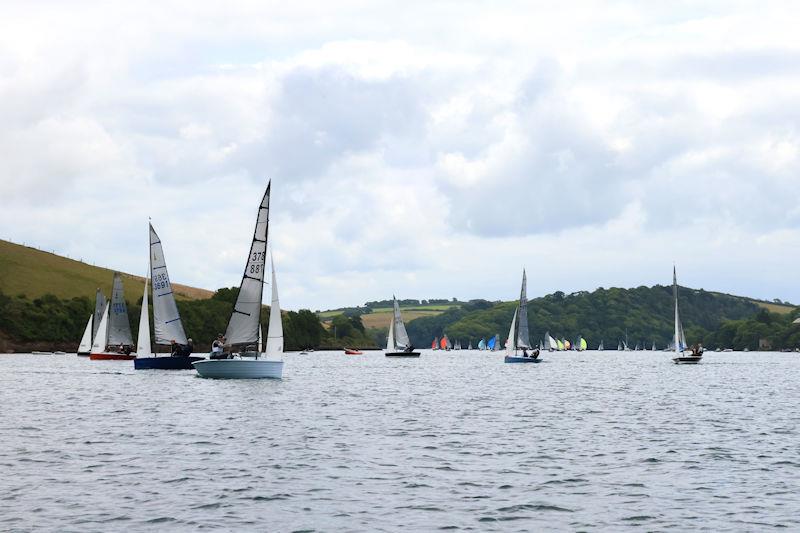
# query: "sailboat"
(490, 344)
(435, 344)
(518, 336)
(397, 342)
(619, 346)
(678, 337)
(600, 348)
(242, 330)
(581, 344)
(113, 340)
(541, 345)
(85, 346)
(166, 319)
(470, 346)
(482, 344)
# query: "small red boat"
(111, 356)
(350, 351)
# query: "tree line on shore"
(645, 314)
(48, 319)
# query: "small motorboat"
(351, 351)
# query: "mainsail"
(401, 341)
(482, 344)
(490, 344)
(246, 315)
(583, 344)
(119, 328)
(275, 329)
(523, 337)
(143, 346)
(679, 338)
(99, 307)
(167, 323)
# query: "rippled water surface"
(584, 441)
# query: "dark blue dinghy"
(181, 362)
(516, 359)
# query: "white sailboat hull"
(239, 368)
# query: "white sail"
(167, 323)
(86, 340)
(101, 337)
(511, 344)
(678, 327)
(390, 337)
(553, 343)
(275, 330)
(99, 308)
(401, 340)
(143, 346)
(246, 315)
(119, 327)
(523, 337)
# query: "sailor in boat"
(697, 350)
(175, 350)
(218, 348)
(409, 348)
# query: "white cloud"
(430, 151)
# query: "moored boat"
(243, 326)
(351, 351)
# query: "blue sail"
(491, 343)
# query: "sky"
(422, 149)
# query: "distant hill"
(644, 313)
(34, 273)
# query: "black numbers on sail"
(257, 256)
(255, 269)
(160, 281)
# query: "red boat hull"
(111, 357)
(353, 352)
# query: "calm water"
(587, 441)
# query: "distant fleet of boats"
(240, 353)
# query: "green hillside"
(644, 313)
(34, 273)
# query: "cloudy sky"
(426, 149)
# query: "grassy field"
(773, 307)
(34, 273)
(379, 317)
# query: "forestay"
(119, 328)
(243, 324)
(167, 324)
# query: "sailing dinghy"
(678, 337)
(166, 319)
(518, 336)
(242, 331)
(397, 342)
(113, 340)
